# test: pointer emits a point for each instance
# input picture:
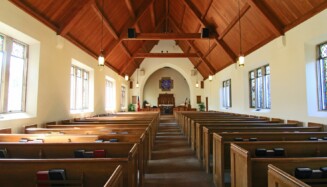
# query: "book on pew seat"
(260, 152)
(113, 133)
(238, 139)
(113, 140)
(324, 138)
(23, 140)
(313, 138)
(303, 173)
(42, 176)
(57, 174)
(101, 153)
(79, 153)
(279, 152)
(316, 174)
(99, 141)
(324, 172)
(252, 139)
(88, 154)
(124, 132)
(3, 153)
(270, 153)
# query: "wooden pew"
(116, 178)
(5, 131)
(222, 141)
(247, 170)
(279, 178)
(204, 140)
(24, 165)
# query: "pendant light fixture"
(197, 82)
(101, 56)
(241, 58)
(137, 78)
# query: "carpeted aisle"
(173, 162)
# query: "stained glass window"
(79, 88)
(13, 87)
(260, 88)
(227, 101)
(322, 76)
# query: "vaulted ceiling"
(80, 21)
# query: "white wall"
(53, 69)
(293, 80)
(181, 65)
(181, 90)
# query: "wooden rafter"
(108, 50)
(270, 18)
(73, 18)
(165, 55)
(197, 14)
(109, 27)
(35, 13)
(207, 10)
(167, 15)
(132, 13)
(245, 8)
(211, 68)
(153, 16)
(142, 44)
(166, 36)
(183, 14)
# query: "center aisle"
(173, 162)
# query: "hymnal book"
(88, 154)
(303, 173)
(324, 172)
(101, 153)
(3, 153)
(99, 141)
(57, 174)
(23, 140)
(79, 153)
(113, 140)
(42, 176)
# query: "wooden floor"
(173, 162)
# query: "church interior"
(142, 93)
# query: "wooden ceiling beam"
(183, 14)
(166, 36)
(143, 42)
(106, 22)
(108, 50)
(132, 13)
(73, 18)
(153, 16)
(245, 8)
(211, 68)
(198, 16)
(165, 55)
(275, 24)
(207, 10)
(35, 14)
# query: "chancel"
(163, 93)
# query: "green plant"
(131, 107)
(201, 106)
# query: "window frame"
(123, 106)
(322, 79)
(84, 106)
(5, 74)
(109, 106)
(259, 77)
(227, 99)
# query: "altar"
(166, 103)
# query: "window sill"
(260, 110)
(80, 111)
(15, 116)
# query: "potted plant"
(201, 107)
(131, 108)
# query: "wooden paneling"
(261, 21)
